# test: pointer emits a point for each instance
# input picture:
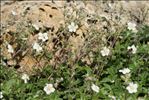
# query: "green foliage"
(77, 79)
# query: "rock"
(53, 17)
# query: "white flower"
(37, 47)
(43, 36)
(49, 88)
(61, 79)
(105, 51)
(10, 49)
(72, 27)
(141, 98)
(112, 81)
(132, 88)
(25, 77)
(132, 26)
(112, 97)
(110, 5)
(13, 13)
(132, 48)
(95, 88)
(35, 26)
(1, 95)
(125, 71)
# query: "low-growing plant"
(120, 73)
